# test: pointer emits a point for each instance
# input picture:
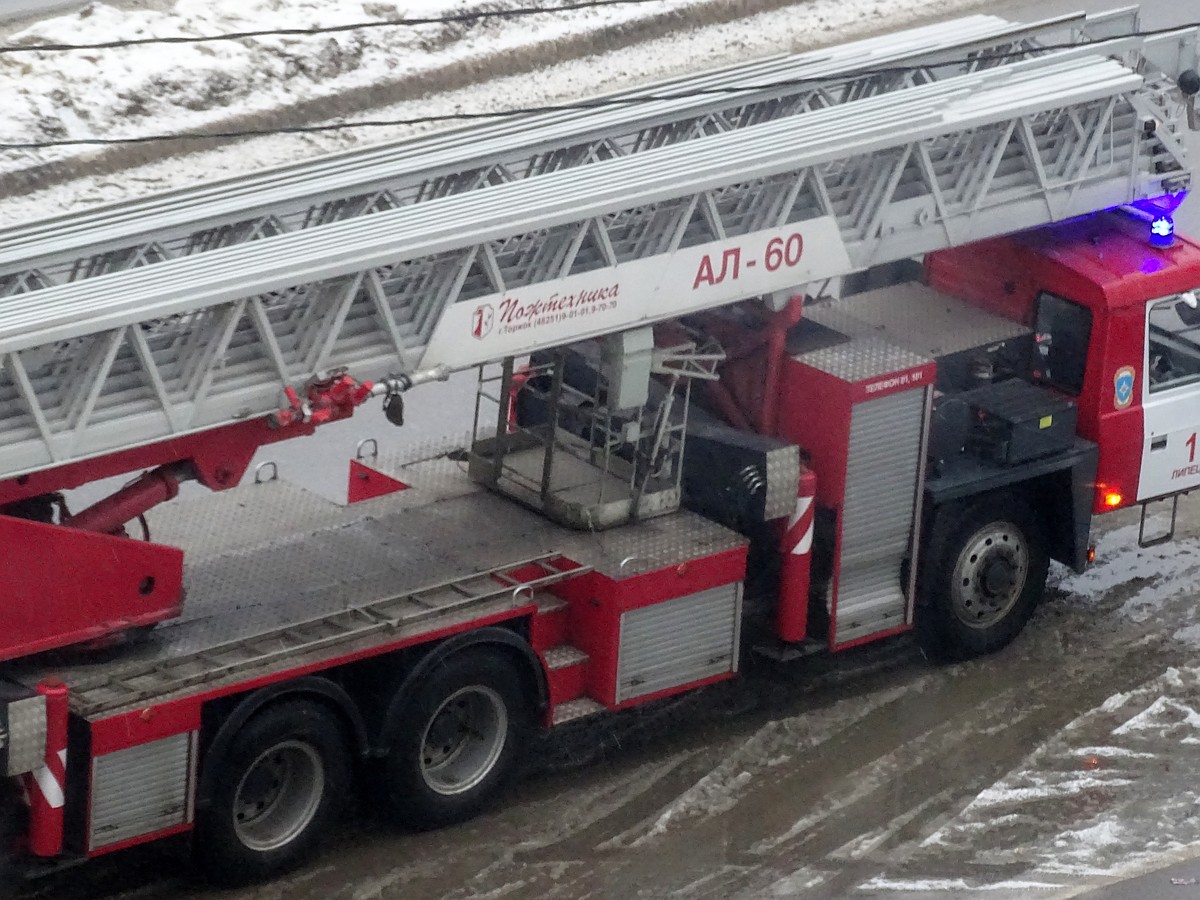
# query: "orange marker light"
(1112, 499)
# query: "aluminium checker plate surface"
(860, 359)
(915, 316)
(270, 555)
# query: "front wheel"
(278, 787)
(13, 824)
(458, 739)
(983, 573)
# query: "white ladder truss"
(184, 222)
(133, 357)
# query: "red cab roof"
(1112, 251)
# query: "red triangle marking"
(367, 483)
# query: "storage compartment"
(859, 409)
(1013, 422)
(678, 642)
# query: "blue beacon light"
(1157, 212)
(1162, 231)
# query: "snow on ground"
(1151, 575)
(1111, 792)
(376, 73)
(168, 88)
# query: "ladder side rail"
(169, 678)
(824, 152)
(175, 222)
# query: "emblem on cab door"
(482, 320)
(1123, 387)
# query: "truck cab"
(1117, 330)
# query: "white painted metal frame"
(127, 358)
(185, 222)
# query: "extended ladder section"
(201, 340)
(344, 186)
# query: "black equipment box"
(1012, 422)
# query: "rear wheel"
(983, 574)
(14, 820)
(278, 787)
(459, 737)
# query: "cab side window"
(1063, 330)
(1172, 343)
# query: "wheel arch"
(504, 640)
(327, 693)
(1058, 490)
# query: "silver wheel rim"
(463, 740)
(278, 796)
(990, 575)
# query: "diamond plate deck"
(917, 317)
(271, 555)
(862, 358)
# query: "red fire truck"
(800, 354)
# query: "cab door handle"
(1158, 443)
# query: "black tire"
(278, 787)
(14, 821)
(983, 572)
(457, 738)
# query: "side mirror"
(1188, 309)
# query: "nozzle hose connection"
(393, 387)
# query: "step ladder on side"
(567, 666)
(321, 637)
(185, 222)
(189, 344)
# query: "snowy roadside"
(386, 72)
(1111, 795)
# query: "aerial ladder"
(179, 334)
(316, 192)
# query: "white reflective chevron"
(48, 783)
(803, 505)
(187, 343)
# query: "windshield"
(1173, 341)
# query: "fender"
(1061, 487)
(309, 685)
(490, 635)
